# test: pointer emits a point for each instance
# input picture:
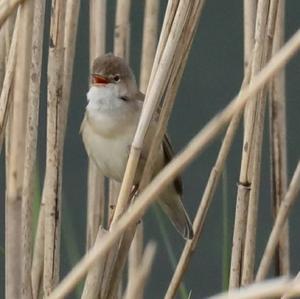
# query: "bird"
(114, 105)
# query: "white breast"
(108, 130)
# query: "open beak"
(99, 80)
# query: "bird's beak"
(98, 80)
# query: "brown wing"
(168, 152)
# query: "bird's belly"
(109, 153)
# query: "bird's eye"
(116, 78)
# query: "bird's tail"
(174, 209)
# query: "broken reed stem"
(13, 213)
(7, 7)
(56, 115)
(205, 201)
(251, 228)
(2, 56)
(122, 29)
(151, 101)
(92, 284)
(31, 146)
(282, 215)
(268, 289)
(193, 149)
(136, 289)
(95, 181)
(6, 91)
(277, 114)
(244, 235)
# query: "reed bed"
(114, 227)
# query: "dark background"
(212, 78)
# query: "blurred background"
(212, 78)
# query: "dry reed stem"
(278, 144)
(13, 258)
(7, 7)
(165, 31)
(151, 101)
(244, 233)
(136, 289)
(97, 28)
(294, 290)
(117, 270)
(268, 289)
(2, 56)
(135, 256)
(122, 29)
(251, 227)
(95, 182)
(31, 146)
(287, 203)
(205, 201)
(6, 91)
(178, 66)
(150, 26)
(92, 284)
(194, 148)
(55, 134)
(38, 255)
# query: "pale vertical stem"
(38, 254)
(54, 157)
(2, 56)
(136, 289)
(92, 284)
(246, 171)
(135, 257)
(250, 241)
(150, 26)
(95, 182)
(241, 201)
(282, 215)
(31, 146)
(278, 144)
(17, 151)
(150, 29)
(122, 29)
(70, 35)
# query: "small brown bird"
(110, 121)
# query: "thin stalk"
(13, 257)
(250, 240)
(31, 146)
(122, 29)
(278, 145)
(95, 185)
(56, 114)
(167, 175)
(284, 209)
